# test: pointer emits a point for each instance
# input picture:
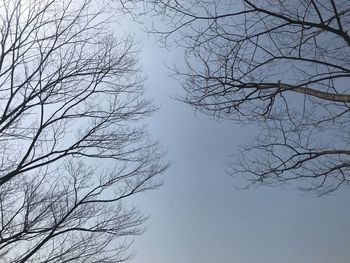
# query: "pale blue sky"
(198, 215)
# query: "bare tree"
(71, 149)
(282, 65)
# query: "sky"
(200, 216)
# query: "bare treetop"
(283, 65)
(71, 148)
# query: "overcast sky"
(199, 215)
